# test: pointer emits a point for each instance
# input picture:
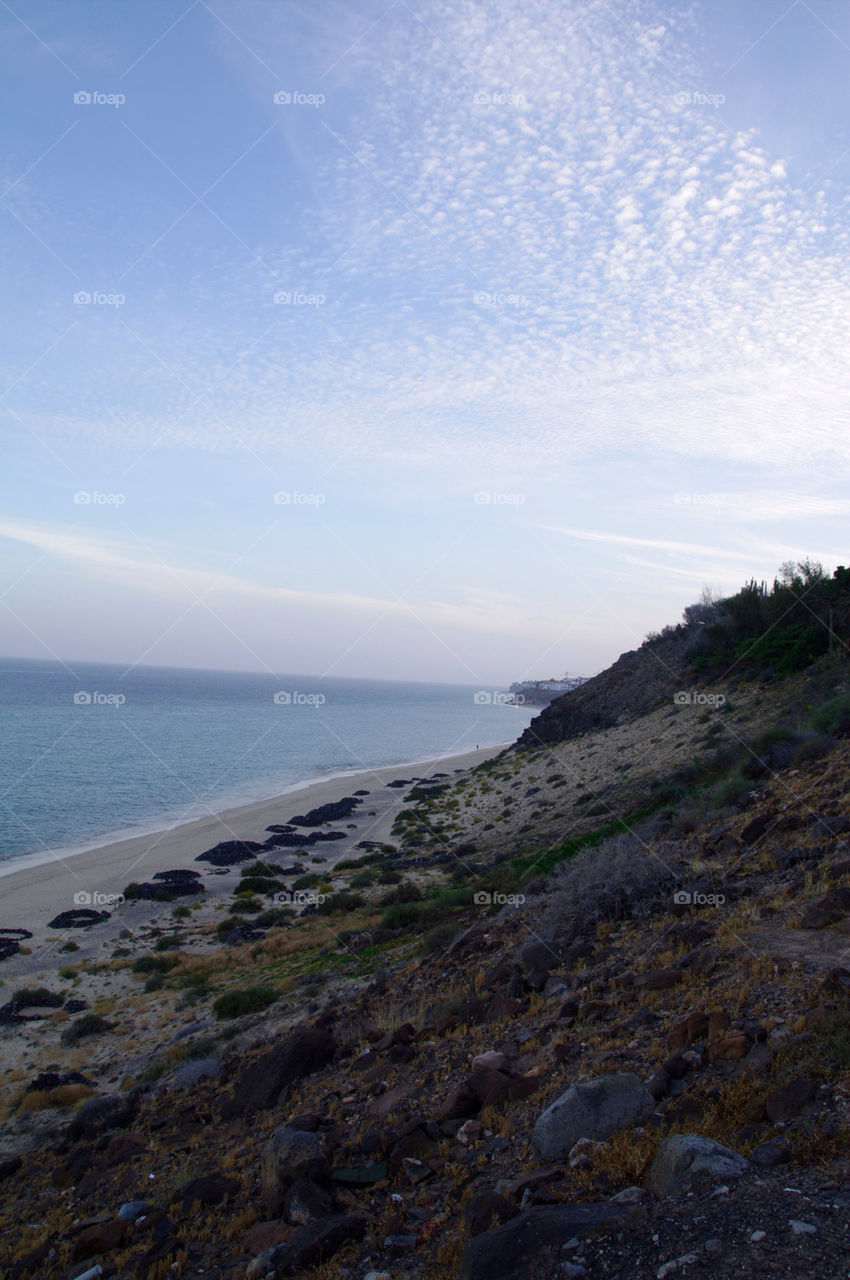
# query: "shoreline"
(163, 825)
(32, 894)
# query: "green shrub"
(181, 912)
(407, 891)
(258, 884)
(813, 749)
(833, 716)
(89, 1024)
(362, 880)
(154, 964)
(438, 939)
(307, 882)
(389, 876)
(233, 1004)
(275, 917)
(332, 903)
(203, 1048)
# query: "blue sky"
(534, 318)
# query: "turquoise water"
(90, 750)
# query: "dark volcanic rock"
(79, 918)
(10, 941)
(259, 1085)
(165, 890)
(520, 1246)
(99, 1115)
(788, 1101)
(829, 909)
(227, 853)
(331, 812)
(314, 1243)
(636, 684)
(9, 1167)
(56, 1080)
(208, 1189)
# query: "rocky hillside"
(637, 683)
(619, 1050)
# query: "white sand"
(33, 891)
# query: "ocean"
(92, 752)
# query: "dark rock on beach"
(227, 853)
(331, 812)
(79, 918)
(10, 941)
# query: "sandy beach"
(34, 890)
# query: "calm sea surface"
(91, 751)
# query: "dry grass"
(65, 1095)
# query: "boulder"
(227, 853)
(311, 1244)
(305, 1202)
(78, 918)
(593, 1109)
(101, 1237)
(768, 1154)
(787, 1102)
(685, 1156)
(828, 909)
(258, 1086)
(208, 1189)
(99, 1115)
(287, 1152)
(521, 1246)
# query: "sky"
(450, 341)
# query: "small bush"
(181, 912)
(203, 1048)
(236, 1003)
(154, 964)
(438, 939)
(407, 891)
(619, 879)
(307, 882)
(389, 876)
(258, 884)
(275, 917)
(362, 880)
(813, 749)
(833, 716)
(90, 1024)
(333, 903)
